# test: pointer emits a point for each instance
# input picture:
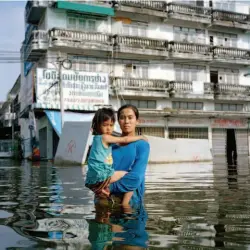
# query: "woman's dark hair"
(102, 115)
(128, 106)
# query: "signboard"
(81, 90)
(188, 122)
(74, 143)
(229, 123)
(151, 121)
(26, 90)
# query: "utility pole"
(61, 92)
(66, 64)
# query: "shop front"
(230, 139)
(152, 126)
(188, 128)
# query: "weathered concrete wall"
(178, 150)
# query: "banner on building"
(229, 123)
(81, 90)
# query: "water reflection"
(187, 206)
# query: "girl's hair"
(102, 115)
(128, 106)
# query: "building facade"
(184, 64)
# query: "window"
(151, 131)
(224, 39)
(189, 73)
(142, 104)
(228, 107)
(187, 105)
(78, 22)
(136, 71)
(229, 76)
(183, 34)
(135, 29)
(228, 5)
(189, 133)
(89, 64)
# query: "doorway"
(211, 39)
(55, 142)
(214, 79)
(43, 142)
(231, 148)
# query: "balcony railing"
(230, 16)
(38, 41)
(140, 84)
(235, 89)
(188, 9)
(140, 42)
(227, 89)
(184, 47)
(231, 52)
(182, 86)
(79, 36)
(154, 5)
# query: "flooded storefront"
(230, 139)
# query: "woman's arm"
(109, 139)
(132, 180)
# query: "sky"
(11, 36)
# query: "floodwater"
(187, 206)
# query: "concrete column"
(210, 135)
(166, 128)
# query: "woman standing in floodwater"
(132, 158)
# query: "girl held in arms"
(100, 169)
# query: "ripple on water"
(189, 206)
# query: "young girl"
(100, 170)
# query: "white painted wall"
(208, 106)
(160, 31)
(243, 41)
(178, 150)
(242, 7)
(163, 103)
(244, 80)
(56, 18)
(162, 71)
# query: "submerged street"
(187, 206)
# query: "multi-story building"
(11, 107)
(184, 64)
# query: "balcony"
(225, 91)
(79, 40)
(127, 46)
(36, 46)
(186, 89)
(185, 12)
(34, 11)
(140, 87)
(231, 55)
(185, 50)
(230, 19)
(144, 7)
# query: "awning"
(86, 8)
(55, 119)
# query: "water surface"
(187, 206)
